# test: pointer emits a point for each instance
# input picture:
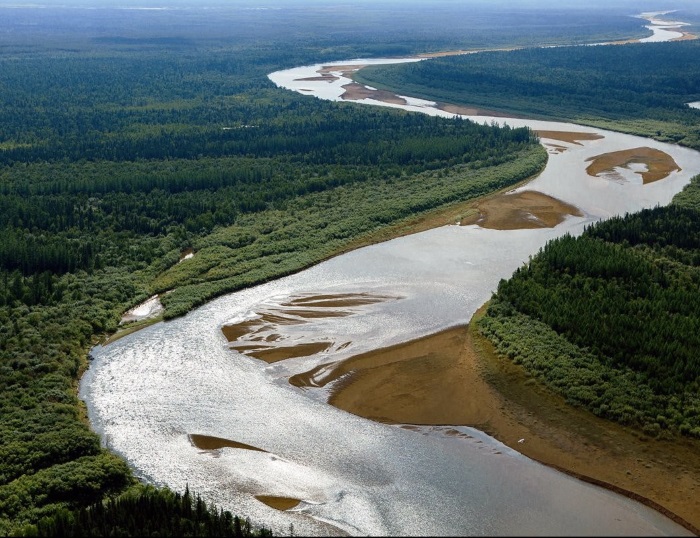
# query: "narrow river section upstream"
(185, 407)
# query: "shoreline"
(565, 443)
(469, 385)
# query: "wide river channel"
(150, 392)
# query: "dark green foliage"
(626, 294)
(149, 512)
(640, 88)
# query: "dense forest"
(611, 319)
(128, 136)
(146, 511)
(640, 88)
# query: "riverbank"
(455, 378)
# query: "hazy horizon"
(162, 4)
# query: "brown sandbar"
(271, 354)
(278, 503)
(521, 210)
(344, 68)
(207, 442)
(659, 164)
(264, 338)
(355, 91)
(556, 148)
(474, 111)
(426, 381)
(322, 78)
(568, 136)
(685, 36)
(340, 300)
(455, 378)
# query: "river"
(149, 391)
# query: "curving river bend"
(149, 392)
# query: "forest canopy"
(641, 88)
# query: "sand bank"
(454, 378)
(658, 163)
(279, 503)
(521, 210)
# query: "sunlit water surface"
(149, 390)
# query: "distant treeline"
(641, 88)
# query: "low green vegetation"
(611, 319)
(639, 88)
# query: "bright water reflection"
(663, 29)
(149, 390)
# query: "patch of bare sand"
(520, 210)
(207, 442)
(442, 53)
(685, 36)
(568, 136)
(340, 300)
(271, 353)
(659, 164)
(343, 68)
(556, 148)
(321, 78)
(474, 111)
(355, 91)
(455, 378)
(263, 336)
(278, 503)
(427, 381)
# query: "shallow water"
(149, 390)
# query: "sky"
(661, 4)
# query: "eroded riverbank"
(454, 377)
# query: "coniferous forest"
(639, 88)
(610, 320)
(130, 136)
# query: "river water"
(148, 391)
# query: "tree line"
(625, 297)
(641, 88)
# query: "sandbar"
(264, 336)
(521, 210)
(208, 442)
(568, 136)
(279, 503)
(455, 378)
(271, 354)
(474, 111)
(355, 92)
(659, 164)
